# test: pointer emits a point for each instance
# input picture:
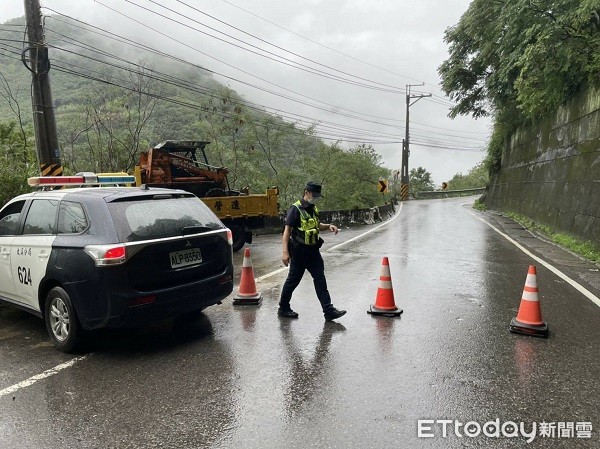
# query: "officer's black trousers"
(304, 258)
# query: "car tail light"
(107, 255)
(225, 279)
(115, 253)
(229, 237)
(142, 300)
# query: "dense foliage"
(18, 160)
(103, 126)
(420, 181)
(476, 177)
(520, 59)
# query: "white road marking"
(580, 288)
(333, 248)
(37, 377)
(272, 273)
(368, 232)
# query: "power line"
(447, 129)
(318, 43)
(127, 41)
(448, 147)
(366, 136)
(349, 138)
(345, 138)
(130, 42)
(133, 43)
(245, 83)
(273, 45)
(182, 83)
(283, 61)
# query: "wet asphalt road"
(242, 377)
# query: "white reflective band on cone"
(385, 284)
(531, 281)
(530, 296)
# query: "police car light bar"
(81, 179)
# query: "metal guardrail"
(448, 193)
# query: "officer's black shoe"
(334, 314)
(289, 313)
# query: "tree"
(520, 57)
(519, 60)
(420, 180)
(476, 177)
(11, 97)
(18, 160)
(349, 177)
(111, 123)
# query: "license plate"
(184, 258)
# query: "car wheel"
(61, 320)
(239, 237)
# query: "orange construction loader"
(182, 164)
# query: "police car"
(92, 257)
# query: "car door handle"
(43, 255)
(5, 252)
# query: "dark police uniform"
(303, 247)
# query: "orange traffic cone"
(247, 294)
(529, 318)
(384, 302)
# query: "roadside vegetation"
(588, 249)
(420, 181)
(477, 177)
(517, 61)
(479, 205)
(17, 160)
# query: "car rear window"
(161, 217)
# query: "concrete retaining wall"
(551, 173)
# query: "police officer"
(301, 243)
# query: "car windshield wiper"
(195, 230)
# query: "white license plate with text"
(184, 258)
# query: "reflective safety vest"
(308, 232)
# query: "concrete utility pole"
(46, 139)
(404, 178)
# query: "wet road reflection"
(236, 377)
(307, 371)
(165, 386)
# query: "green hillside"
(113, 100)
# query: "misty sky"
(381, 43)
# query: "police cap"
(314, 188)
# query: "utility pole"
(44, 122)
(404, 178)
